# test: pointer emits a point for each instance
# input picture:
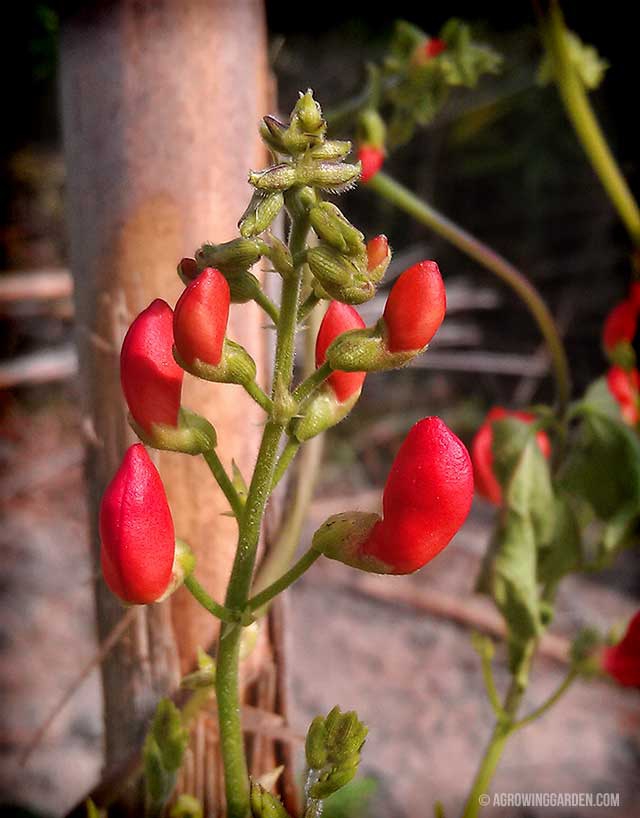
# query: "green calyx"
(339, 277)
(342, 536)
(322, 412)
(365, 350)
(193, 435)
(184, 563)
(236, 365)
(232, 258)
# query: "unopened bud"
(261, 212)
(331, 226)
(330, 176)
(277, 177)
(332, 150)
(231, 257)
(184, 562)
(193, 434)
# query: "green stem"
(295, 572)
(307, 306)
(227, 676)
(585, 123)
(199, 593)
(540, 711)
(310, 384)
(222, 478)
(490, 685)
(503, 728)
(288, 453)
(259, 396)
(397, 194)
(263, 300)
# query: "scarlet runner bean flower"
(200, 318)
(372, 159)
(620, 325)
(151, 379)
(378, 256)
(136, 531)
(339, 318)
(434, 46)
(625, 388)
(487, 484)
(415, 308)
(426, 500)
(622, 661)
(634, 294)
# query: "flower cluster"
(428, 494)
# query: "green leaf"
(598, 398)
(515, 588)
(620, 531)
(524, 474)
(603, 467)
(352, 801)
(169, 733)
(158, 782)
(564, 553)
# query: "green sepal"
(262, 210)
(264, 804)
(243, 288)
(193, 435)
(365, 350)
(342, 536)
(622, 355)
(323, 411)
(236, 365)
(231, 258)
(184, 562)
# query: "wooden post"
(161, 102)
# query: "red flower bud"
(339, 318)
(415, 307)
(620, 325)
(200, 318)
(433, 47)
(136, 531)
(625, 388)
(634, 294)
(377, 251)
(487, 484)
(426, 499)
(622, 661)
(372, 159)
(151, 379)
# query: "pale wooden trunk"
(161, 101)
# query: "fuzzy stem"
(397, 194)
(199, 593)
(260, 600)
(310, 384)
(223, 480)
(503, 728)
(284, 461)
(227, 675)
(263, 300)
(259, 396)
